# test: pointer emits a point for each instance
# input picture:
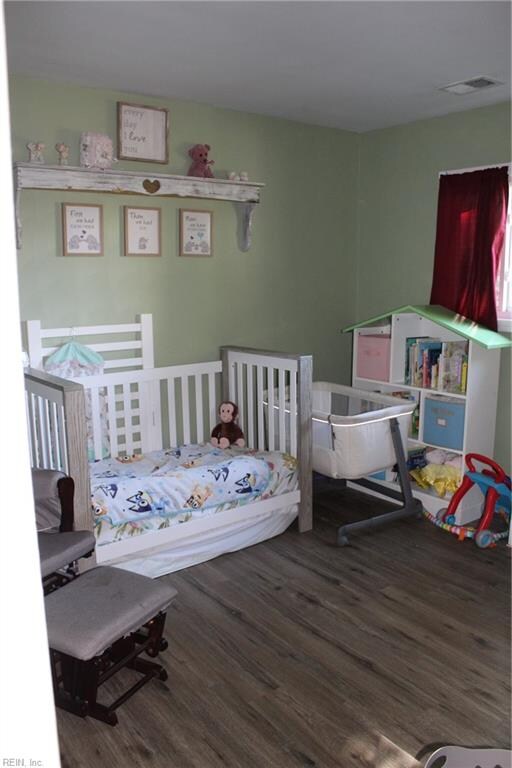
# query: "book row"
(436, 364)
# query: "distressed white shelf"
(69, 178)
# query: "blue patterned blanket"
(178, 483)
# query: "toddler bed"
(162, 497)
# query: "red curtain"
(471, 220)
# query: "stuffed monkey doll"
(227, 432)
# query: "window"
(504, 281)
(471, 224)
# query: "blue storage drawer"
(443, 422)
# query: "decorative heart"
(151, 186)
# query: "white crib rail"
(273, 394)
(141, 411)
(125, 345)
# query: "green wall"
(345, 229)
(397, 207)
(292, 291)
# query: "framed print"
(196, 233)
(82, 230)
(142, 133)
(141, 231)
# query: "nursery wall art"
(141, 231)
(196, 233)
(82, 230)
(142, 133)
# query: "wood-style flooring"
(297, 654)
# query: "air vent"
(470, 86)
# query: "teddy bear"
(63, 152)
(36, 149)
(201, 165)
(227, 432)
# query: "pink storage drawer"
(373, 356)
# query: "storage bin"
(373, 356)
(443, 422)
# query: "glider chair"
(462, 757)
(60, 547)
(99, 624)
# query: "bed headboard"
(122, 345)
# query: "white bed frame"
(165, 407)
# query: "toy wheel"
(484, 539)
(440, 514)
(450, 520)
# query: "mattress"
(145, 493)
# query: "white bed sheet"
(203, 546)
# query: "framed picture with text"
(82, 229)
(196, 235)
(142, 133)
(142, 231)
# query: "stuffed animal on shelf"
(201, 165)
(227, 432)
(63, 152)
(35, 151)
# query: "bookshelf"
(456, 403)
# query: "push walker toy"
(496, 488)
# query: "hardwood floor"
(297, 654)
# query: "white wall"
(27, 715)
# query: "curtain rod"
(476, 168)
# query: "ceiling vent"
(470, 86)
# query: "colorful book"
(455, 367)
(411, 350)
(428, 354)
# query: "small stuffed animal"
(36, 149)
(227, 432)
(63, 152)
(201, 165)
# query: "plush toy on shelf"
(35, 151)
(201, 165)
(227, 432)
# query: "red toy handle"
(499, 472)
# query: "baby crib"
(136, 410)
(358, 433)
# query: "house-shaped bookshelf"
(450, 366)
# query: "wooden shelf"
(76, 179)
(431, 501)
(422, 444)
(397, 385)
